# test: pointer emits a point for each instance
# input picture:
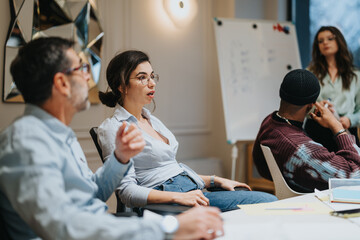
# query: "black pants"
(324, 136)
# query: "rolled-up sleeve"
(130, 193)
(109, 176)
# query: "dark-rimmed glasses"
(84, 68)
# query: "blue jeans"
(225, 200)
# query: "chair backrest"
(94, 136)
(282, 189)
(121, 209)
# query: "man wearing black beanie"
(304, 163)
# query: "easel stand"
(234, 156)
(253, 179)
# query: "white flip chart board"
(253, 57)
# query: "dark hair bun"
(109, 99)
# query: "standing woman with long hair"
(332, 64)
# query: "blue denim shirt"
(48, 191)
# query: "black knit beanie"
(300, 87)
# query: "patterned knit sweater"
(304, 163)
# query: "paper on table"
(355, 220)
(322, 196)
(288, 208)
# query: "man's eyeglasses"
(329, 39)
(84, 68)
(144, 79)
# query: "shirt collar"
(327, 79)
(60, 129)
(293, 122)
(121, 114)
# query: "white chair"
(282, 189)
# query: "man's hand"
(199, 223)
(228, 184)
(326, 118)
(192, 198)
(328, 104)
(128, 143)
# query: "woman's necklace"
(285, 119)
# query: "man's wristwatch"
(169, 225)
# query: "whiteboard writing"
(253, 57)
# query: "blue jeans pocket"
(179, 183)
(172, 187)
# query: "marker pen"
(335, 113)
(327, 104)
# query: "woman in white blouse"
(156, 176)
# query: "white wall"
(188, 97)
(261, 9)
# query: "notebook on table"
(344, 190)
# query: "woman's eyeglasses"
(144, 79)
